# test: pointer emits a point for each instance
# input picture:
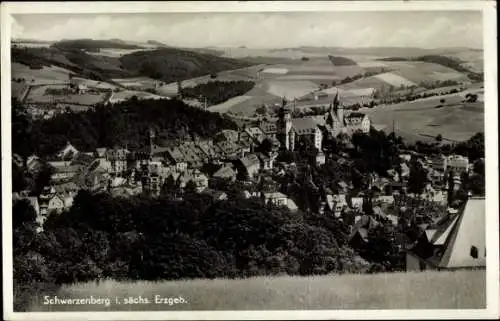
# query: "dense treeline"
(141, 238)
(170, 64)
(217, 92)
(122, 124)
(341, 61)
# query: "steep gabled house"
(68, 152)
(458, 243)
(247, 166)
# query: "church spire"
(336, 101)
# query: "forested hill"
(167, 64)
(171, 64)
(124, 124)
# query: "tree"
(190, 187)
(439, 138)
(262, 110)
(22, 213)
(442, 101)
(417, 178)
(266, 146)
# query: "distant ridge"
(87, 44)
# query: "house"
(256, 133)
(215, 194)
(34, 164)
(439, 163)
(405, 157)
(458, 164)
(51, 202)
(65, 172)
(356, 202)
(279, 199)
(266, 161)
(385, 199)
(249, 194)
(177, 158)
(198, 178)
(226, 173)
(269, 129)
(247, 166)
(458, 242)
(118, 159)
(68, 152)
(336, 203)
(100, 152)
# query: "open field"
(424, 290)
(291, 89)
(455, 121)
(44, 76)
(225, 106)
(38, 95)
(395, 79)
(136, 82)
(418, 71)
(127, 94)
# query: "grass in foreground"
(425, 290)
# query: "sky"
(425, 29)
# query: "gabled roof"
(225, 172)
(468, 231)
(250, 160)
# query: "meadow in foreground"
(424, 290)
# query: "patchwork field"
(425, 290)
(454, 121)
(418, 71)
(44, 76)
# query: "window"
(474, 252)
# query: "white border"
(491, 129)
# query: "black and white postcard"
(249, 160)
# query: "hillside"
(110, 126)
(169, 64)
(427, 290)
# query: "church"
(311, 130)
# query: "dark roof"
(355, 115)
(305, 125)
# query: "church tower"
(339, 109)
(285, 128)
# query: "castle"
(311, 130)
